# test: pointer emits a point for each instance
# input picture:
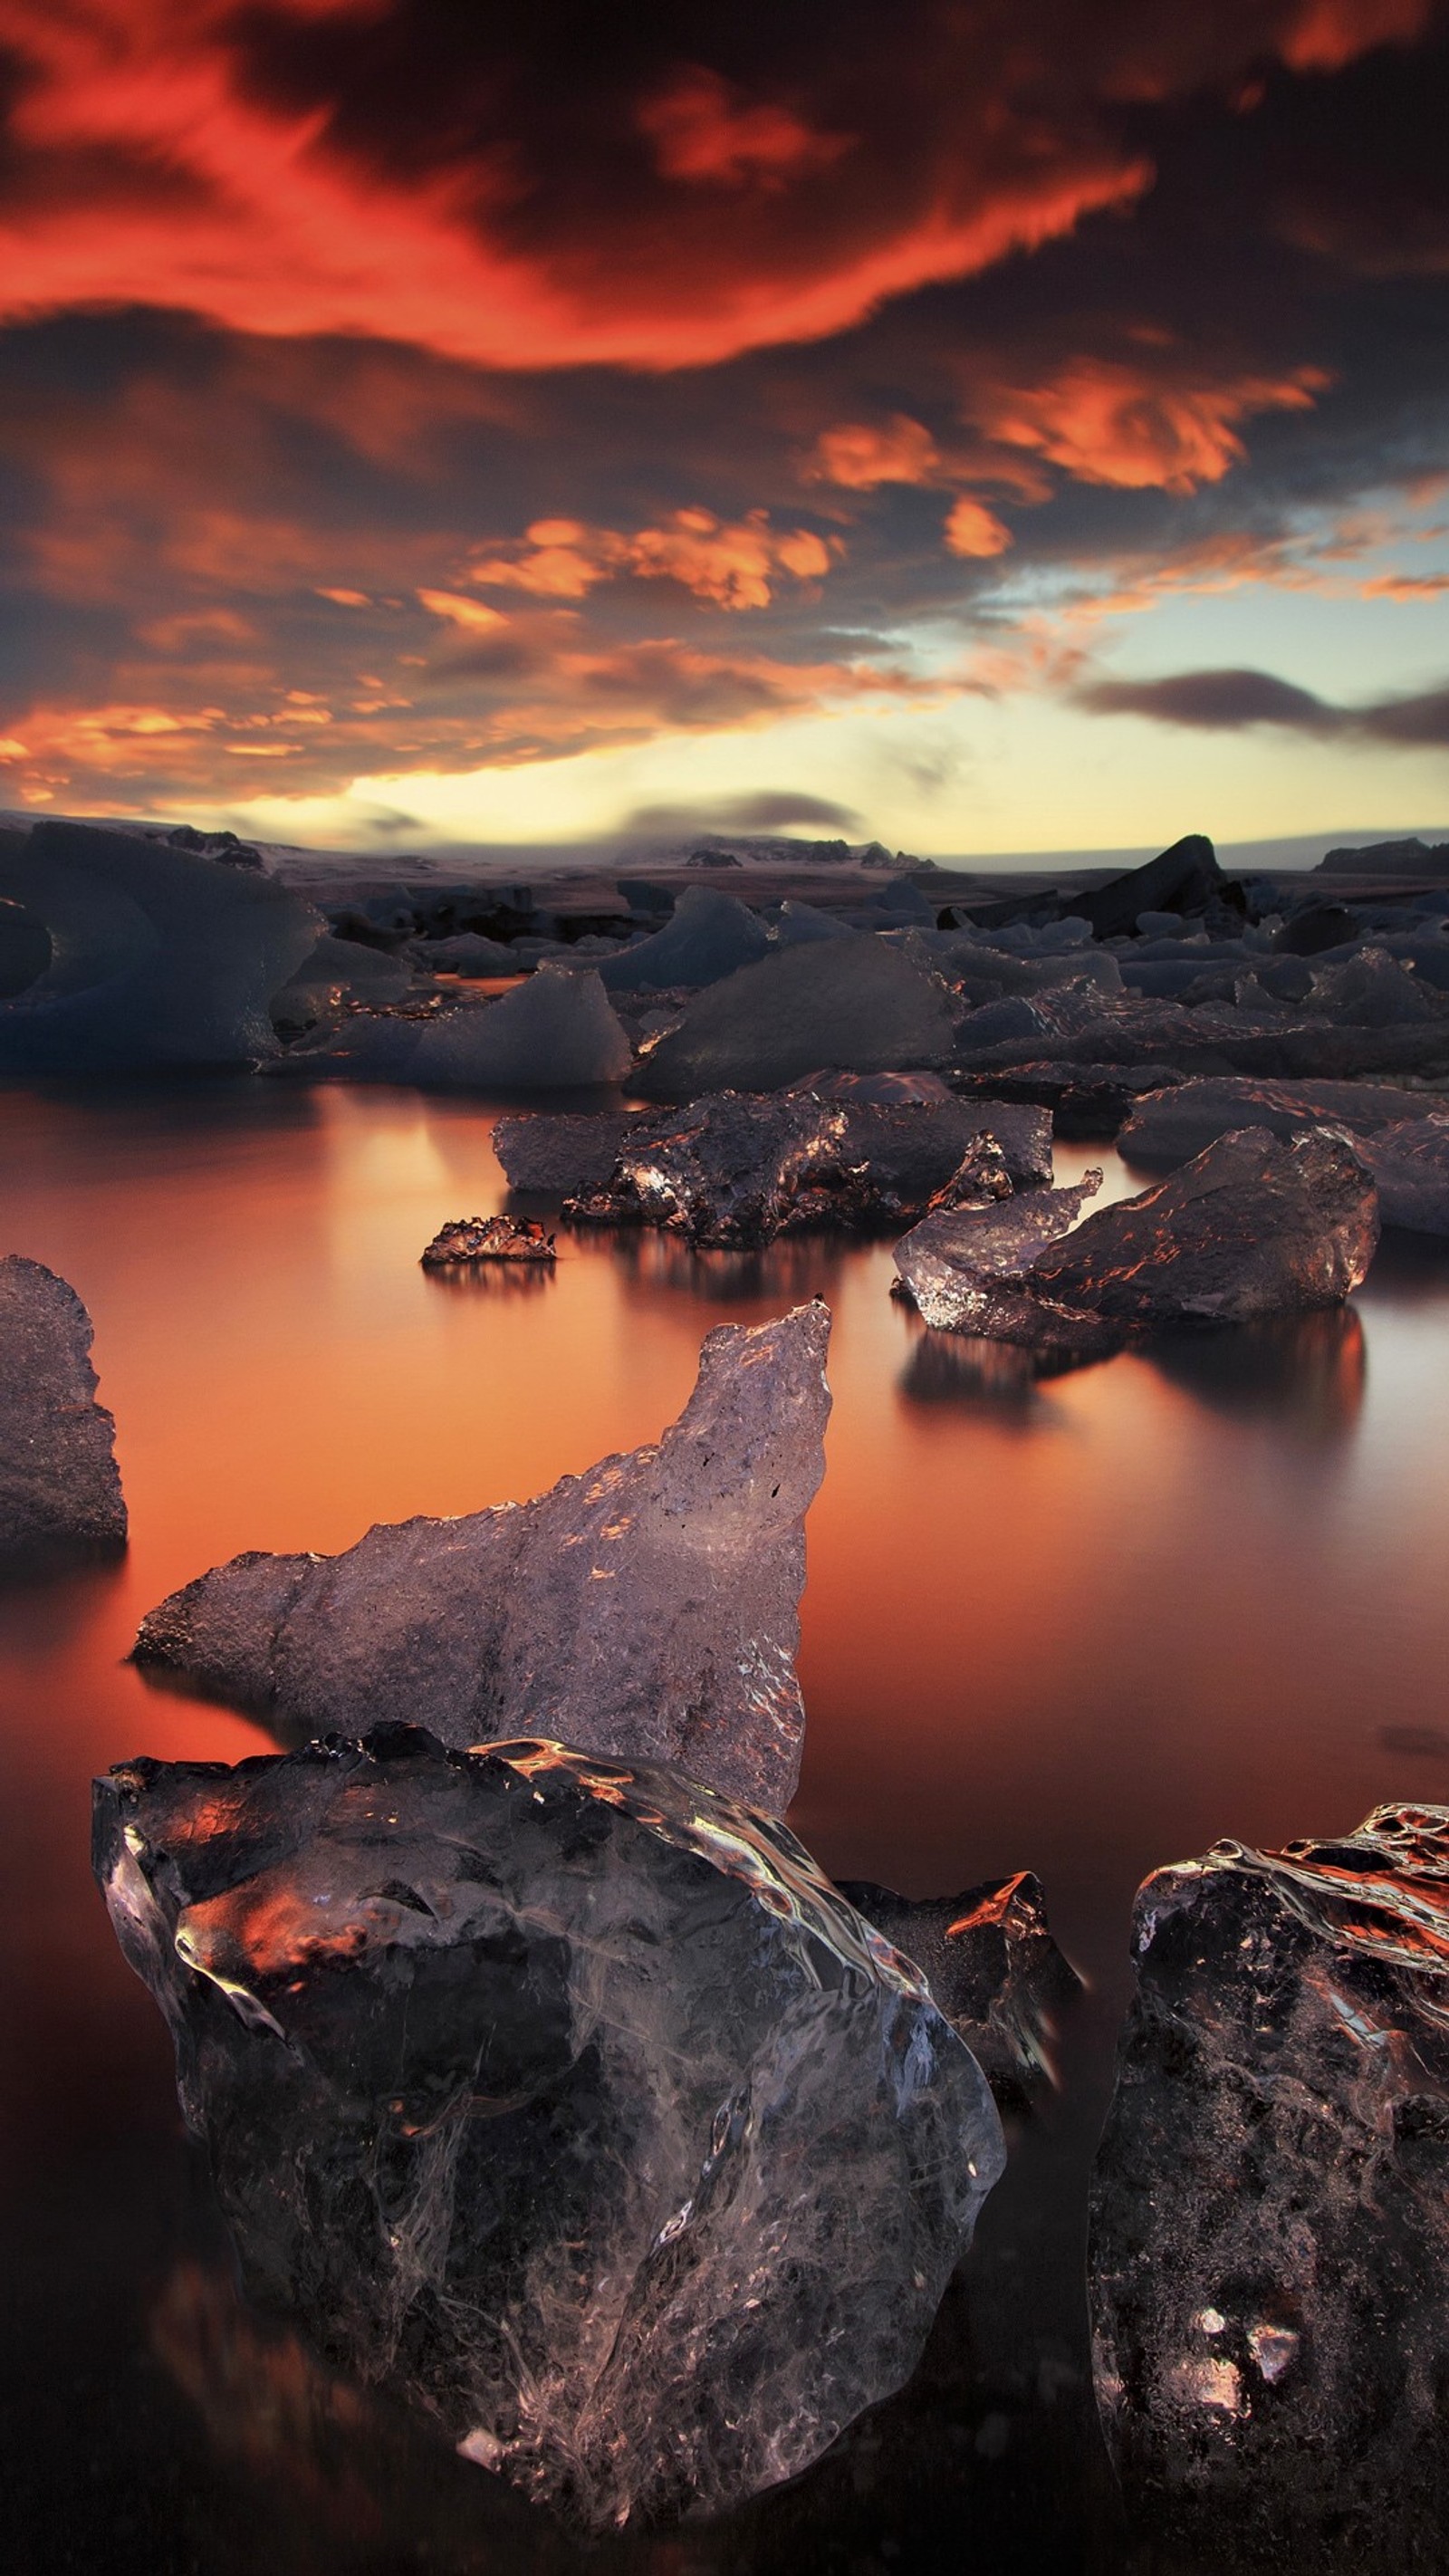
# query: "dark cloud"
(772, 810)
(1229, 701)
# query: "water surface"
(1084, 1626)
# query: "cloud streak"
(1229, 701)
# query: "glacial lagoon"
(1083, 1625)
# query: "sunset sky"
(987, 424)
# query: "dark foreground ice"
(991, 1963)
(1270, 2208)
(60, 1489)
(648, 1608)
(566, 2096)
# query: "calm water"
(1085, 1627)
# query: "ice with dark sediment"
(1165, 1128)
(1269, 2233)
(60, 1489)
(335, 972)
(858, 1005)
(557, 1031)
(709, 935)
(970, 1270)
(648, 1608)
(1214, 1038)
(1410, 1164)
(1254, 1226)
(488, 1238)
(563, 2095)
(560, 1152)
(145, 954)
(993, 1967)
(736, 1169)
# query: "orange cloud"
(973, 530)
(859, 458)
(1103, 421)
(472, 614)
(733, 565)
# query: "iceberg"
(1166, 1128)
(708, 936)
(156, 955)
(856, 1005)
(648, 1608)
(554, 1032)
(562, 2095)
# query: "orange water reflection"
(1084, 1624)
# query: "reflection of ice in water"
(491, 1278)
(1306, 1371)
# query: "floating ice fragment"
(565, 2096)
(648, 1607)
(490, 1238)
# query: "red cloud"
(1330, 33)
(701, 131)
(331, 166)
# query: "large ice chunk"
(561, 1152)
(1270, 2209)
(564, 2094)
(1168, 1127)
(1253, 1226)
(708, 936)
(646, 1608)
(1256, 1225)
(157, 956)
(738, 1168)
(60, 1491)
(853, 1003)
(557, 1031)
(1410, 1165)
(971, 1270)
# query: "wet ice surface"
(60, 1490)
(567, 2097)
(1076, 1625)
(1268, 2221)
